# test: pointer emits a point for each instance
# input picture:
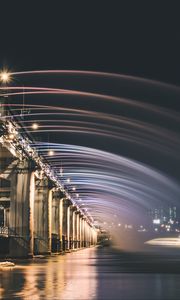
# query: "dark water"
(94, 274)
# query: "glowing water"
(114, 136)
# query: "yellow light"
(11, 136)
(5, 76)
(51, 153)
(35, 126)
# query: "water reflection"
(60, 277)
(95, 274)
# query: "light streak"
(107, 183)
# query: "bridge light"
(35, 126)
(50, 152)
(5, 77)
(11, 136)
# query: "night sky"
(137, 38)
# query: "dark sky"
(130, 37)
(140, 38)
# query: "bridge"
(37, 215)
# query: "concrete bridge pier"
(61, 217)
(42, 217)
(70, 227)
(22, 211)
(86, 232)
(77, 231)
(75, 245)
(55, 222)
(66, 224)
(74, 228)
(82, 232)
(93, 237)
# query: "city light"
(156, 221)
(68, 180)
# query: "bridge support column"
(89, 239)
(61, 224)
(55, 223)
(86, 233)
(80, 231)
(70, 227)
(21, 211)
(66, 225)
(42, 217)
(84, 223)
(77, 230)
(93, 237)
(74, 228)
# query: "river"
(95, 273)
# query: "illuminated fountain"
(114, 135)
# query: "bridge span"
(37, 215)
